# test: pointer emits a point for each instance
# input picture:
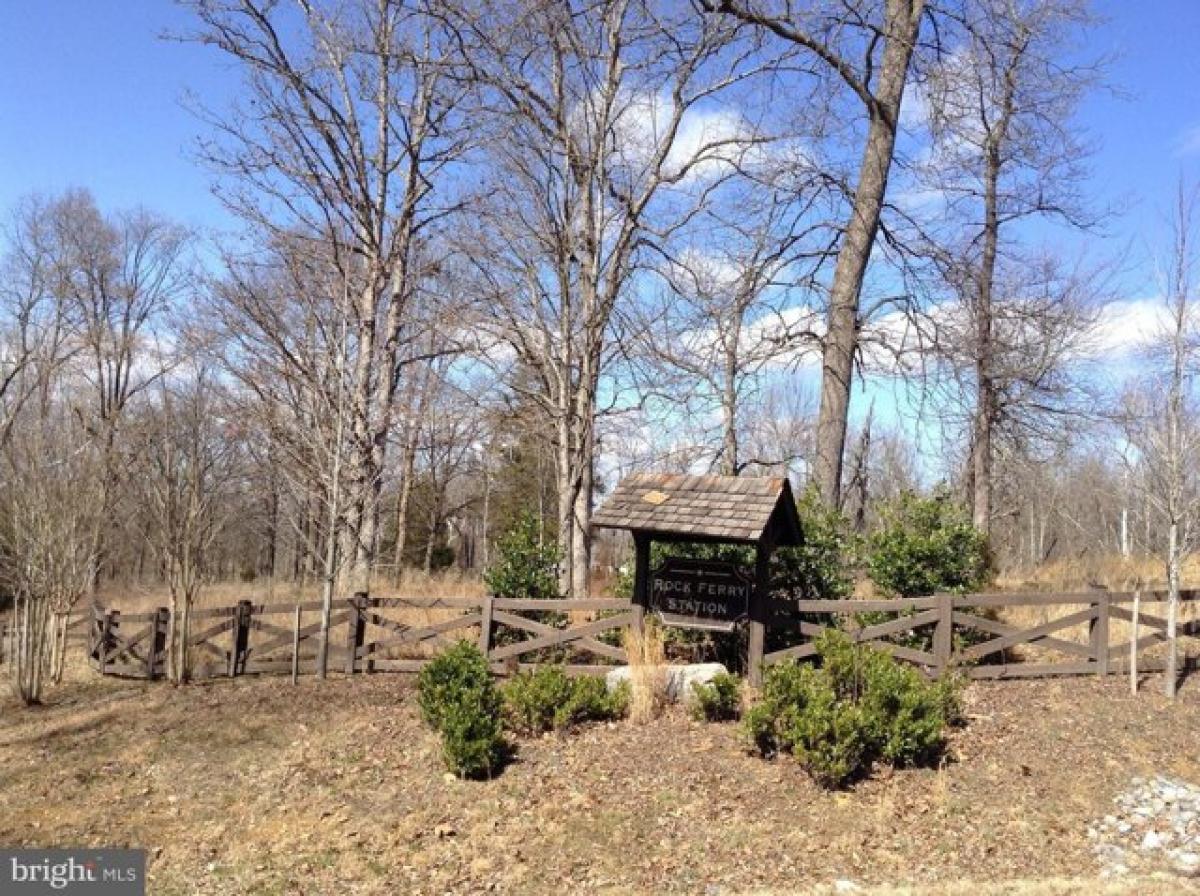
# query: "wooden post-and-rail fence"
(1074, 633)
(367, 634)
(968, 633)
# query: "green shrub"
(857, 707)
(718, 701)
(525, 565)
(924, 546)
(831, 738)
(547, 699)
(786, 690)
(592, 701)
(458, 697)
(822, 567)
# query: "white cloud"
(1188, 143)
(914, 108)
(708, 141)
(1126, 326)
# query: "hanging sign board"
(705, 594)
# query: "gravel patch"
(1155, 824)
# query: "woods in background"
(494, 256)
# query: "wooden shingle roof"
(729, 508)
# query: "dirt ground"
(253, 786)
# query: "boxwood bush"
(859, 706)
(458, 697)
(547, 699)
(720, 700)
(926, 545)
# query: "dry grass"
(133, 598)
(647, 671)
(282, 597)
(1111, 571)
(1119, 630)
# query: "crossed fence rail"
(400, 634)
(367, 634)
(965, 632)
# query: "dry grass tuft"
(647, 671)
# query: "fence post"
(1099, 634)
(758, 633)
(943, 635)
(112, 620)
(158, 642)
(296, 646)
(241, 637)
(356, 630)
(485, 625)
(758, 612)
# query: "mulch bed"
(253, 786)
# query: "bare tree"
(729, 318)
(186, 458)
(867, 47)
(344, 148)
(33, 324)
(1001, 105)
(49, 505)
(590, 169)
(1162, 420)
(117, 275)
(284, 329)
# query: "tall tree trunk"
(1174, 560)
(30, 660)
(327, 588)
(485, 521)
(981, 442)
(174, 648)
(581, 539)
(860, 475)
(272, 546)
(841, 339)
(985, 385)
(564, 470)
(409, 463)
(364, 481)
(729, 442)
(58, 645)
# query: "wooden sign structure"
(734, 510)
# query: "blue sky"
(92, 96)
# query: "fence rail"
(366, 634)
(963, 632)
(1074, 635)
